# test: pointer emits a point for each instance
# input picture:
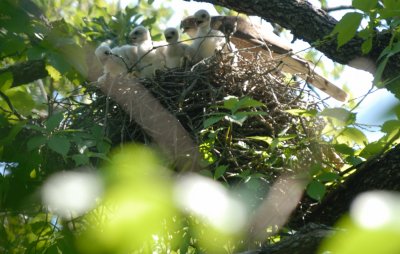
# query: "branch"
(338, 8)
(26, 72)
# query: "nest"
(270, 143)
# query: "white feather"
(150, 59)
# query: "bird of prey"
(253, 38)
(176, 51)
(150, 57)
(112, 64)
(129, 53)
(206, 40)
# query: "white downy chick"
(112, 65)
(207, 40)
(176, 51)
(149, 58)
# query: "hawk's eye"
(203, 15)
(173, 33)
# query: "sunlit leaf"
(327, 177)
(53, 73)
(347, 27)
(371, 149)
(390, 126)
(352, 136)
(341, 114)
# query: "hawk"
(246, 35)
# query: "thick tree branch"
(26, 72)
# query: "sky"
(371, 111)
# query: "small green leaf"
(103, 147)
(354, 161)
(53, 73)
(366, 46)
(341, 114)
(327, 177)
(54, 121)
(247, 102)
(230, 102)
(316, 190)
(59, 144)
(344, 149)
(237, 118)
(352, 135)
(302, 112)
(371, 149)
(220, 171)
(212, 120)
(365, 5)
(80, 159)
(6, 80)
(347, 27)
(266, 139)
(390, 126)
(36, 142)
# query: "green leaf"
(103, 147)
(316, 190)
(344, 149)
(302, 112)
(54, 121)
(365, 5)
(212, 120)
(371, 149)
(347, 27)
(327, 177)
(220, 171)
(390, 126)
(266, 139)
(237, 118)
(53, 73)
(352, 135)
(354, 161)
(366, 46)
(247, 102)
(6, 80)
(150, 1)
(230, 102)
(391, 4)
(341, 114)
(80, 159)
(59, 144)
(36, 142)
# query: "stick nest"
(271, 143)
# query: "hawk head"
(171, 35)
(203, 18)
(139, 34)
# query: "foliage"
(45, 128)
(380, 16)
